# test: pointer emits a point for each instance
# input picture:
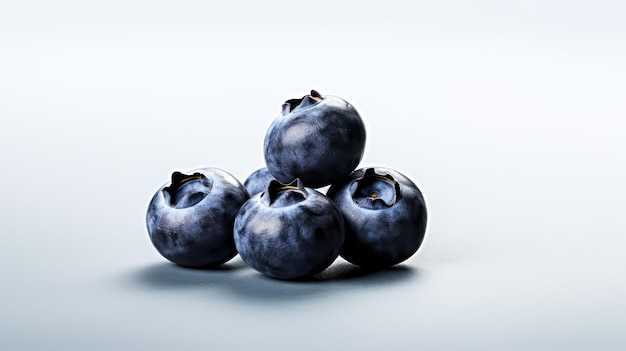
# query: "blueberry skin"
(190, 221)
(318, 139)
(258, 181)
(385, 217)
(289, 231)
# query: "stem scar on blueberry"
(375, 191)
(305, 101)
(186, 190)
(286, 187)
(279, 194)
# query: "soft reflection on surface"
(236, 280)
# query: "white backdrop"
(508, 115)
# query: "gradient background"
(510, 116)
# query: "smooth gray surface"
(510, 117)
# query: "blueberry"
(289, 231)
(258, 181)
(190, 221)
(318, 139)
(385, 217)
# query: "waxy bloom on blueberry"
(289, 231)
(190, 221)
(385, 216)
(318, 139)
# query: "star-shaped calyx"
(280, 195)
(306, 101)
(375, 191)
(186, 190)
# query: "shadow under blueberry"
(235, 280)
(349, 273)
(167, 275)
(339, 278)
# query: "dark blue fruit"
(258, 181)
(318, 139)
(190, 221)
(385, 217)
(289, 231)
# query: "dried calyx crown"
(279, 194)
(373, 190)
(186, 190)
(304, 101)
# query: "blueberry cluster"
(277, 221)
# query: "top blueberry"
(318, 139)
